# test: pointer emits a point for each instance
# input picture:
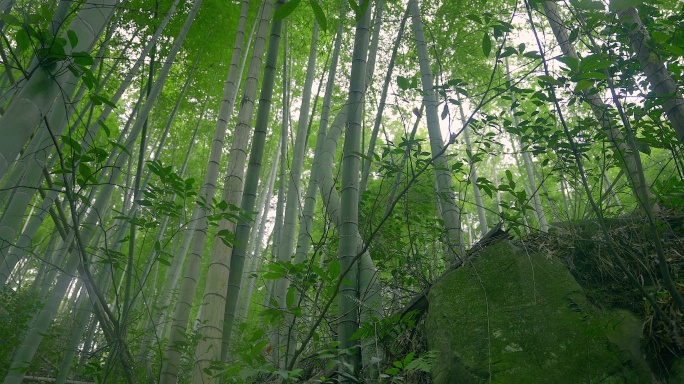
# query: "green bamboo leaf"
(105, 128)
(121, 147)
(273, 275)
(144, 203)
(360, 8)
(99, 100)
(286, 9)
(355, 7)
(89, 79)
(320, 16)
(486, 44)
(366, 157)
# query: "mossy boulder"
(517, 317)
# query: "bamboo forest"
(342, 191)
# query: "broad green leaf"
(474, 18)
(392, 371)
(549, 79)
(593, 75)
(594, 62)
(10, 19)
(82, 58)
(256, 335)
(508, 51)
(642, 146)
(571, 62)
(74, 70)
(486, 44)
(619, 5)
(75, 146)
(402, 82)
(521, 195)
(674, 49)
(498, 31)
(57, 48)
(85, 172)
(73, 39)
(414, 82)
(532, 55)
(509, 176)
(286, 9)
(23, 40)
(320, 15)
(289, 297)
(589, 5)
(408, 358)
(583, 85)
(334, 269)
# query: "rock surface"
(517, 317)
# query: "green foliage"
(403, 367)
(286, 9)
(17, 309)
(250, 363)
(508, 117)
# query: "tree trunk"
(293, 204)
(28, 108)
(251, 180)
(479, 204)
(450, 212)
(600, 109)
(669, 96)
(213, 302)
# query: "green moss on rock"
(517, 317)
